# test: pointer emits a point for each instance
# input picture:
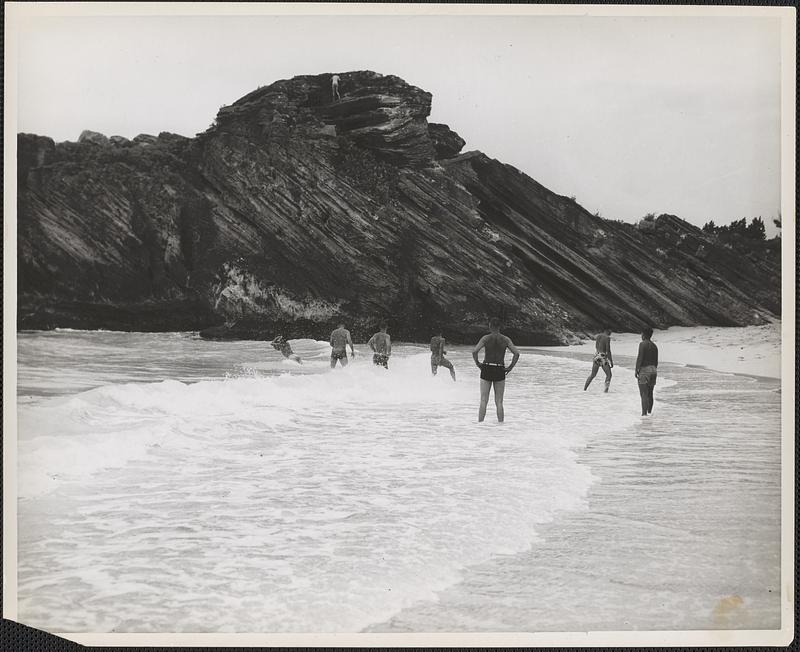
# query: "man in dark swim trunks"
(437, 355)
(281, 344)
(493, 369)
(602, 358)
(647, 370)
(381, 345)
(340, 339)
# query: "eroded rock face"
(446, 142)
(294, 211)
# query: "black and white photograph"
(394, 324)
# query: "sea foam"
(297, 501)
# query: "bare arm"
(350, 342)
(639, 357)
(513, 350)
(371, 343)
(332, 339)
(388, 345)
(481, 343)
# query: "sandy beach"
(752, 350)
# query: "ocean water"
(167, 483)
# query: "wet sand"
(682, 529)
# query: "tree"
(756, 230)
(710, 227)
(739, 226)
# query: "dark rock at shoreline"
(292, 212)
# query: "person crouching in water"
(493, 369)
(646, 370)
(381, 345)
(602, 358)
(281, 344)
(437, 355)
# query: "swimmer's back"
(495, 347)
(339, 339)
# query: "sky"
(630, 115)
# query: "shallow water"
(173, 484)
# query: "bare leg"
(607, 370)
(486, 385)
(644, 394)
(333, 362)
(595, 367)
(499, 390)
(649, 399)
(343, 360)
(434, 368)
(446, 363)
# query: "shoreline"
(629, 362)
(743, 350)
(645, 524)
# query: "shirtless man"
(437, 355)
(647, 370)
(493, 369)
(340, 339)
(381, 345)
(602, 358)
(281, 344)
(335, 88)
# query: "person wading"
(602, 358)
(647, 370)
(437, 355)
(340, 339)
(493, 369)
(381, 345)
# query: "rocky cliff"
(292, 211)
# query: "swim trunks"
(647, 375)
(381, 360)
(440, 361)
(601, 359)
(493, 372)
(338, 355)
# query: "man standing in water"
(602, 358)
(340, 339)
(437, 355)
(493, 369)
(381, 345)
(646, 370)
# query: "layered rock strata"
(292, 212)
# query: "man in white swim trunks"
(437, 355)
(602, 358)
(381, 345)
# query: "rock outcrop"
(292, 212)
